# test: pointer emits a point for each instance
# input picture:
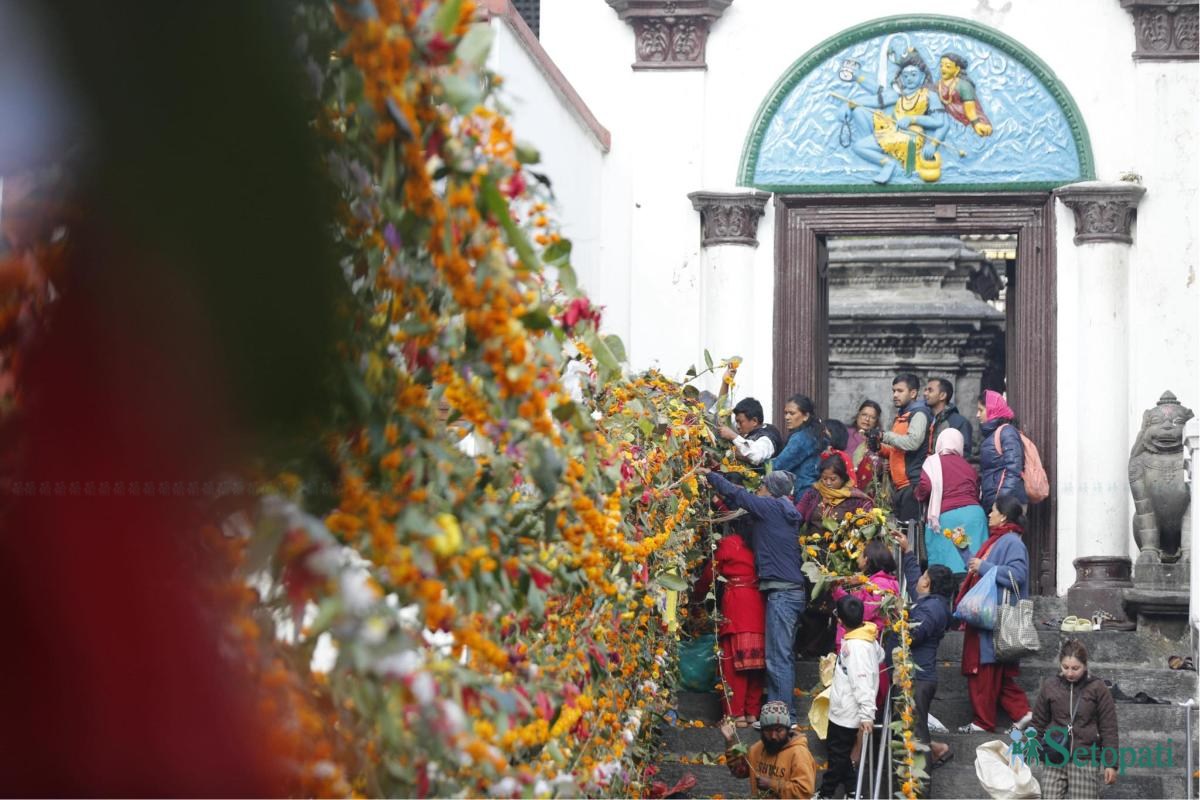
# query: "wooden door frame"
(801, 331)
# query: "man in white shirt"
(756, 441)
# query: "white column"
(1103, 234)
(728, 237)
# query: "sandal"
(1073, 623)
(1179, 662)
(946, 757)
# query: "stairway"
(1133, 661)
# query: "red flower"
(579, 310)
(541, 579)
(514, 185)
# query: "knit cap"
(779, 482)
(774, 713)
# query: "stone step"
(956, 779)
(1104, 647)
(964, 784)
(1162, 684)
(1140, 726)
(952, 709)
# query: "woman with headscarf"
(832, 496)
(992, 685)
(951, 486)
(1001, 453)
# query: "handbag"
(977, 607)
(1016, 636)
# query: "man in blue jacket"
(929, 616)
(774, 535)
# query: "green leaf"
(546, 466)
(616, 346)
(536, 319)
(474, 47)
(537, 601)
(708, 362)
(811, 571)
(557, 253)
(464, 93)
(566, 277)
(498, 206)
(527, 153)
(564, 411)
(669, 580)
(447, 16)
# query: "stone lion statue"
(1156, 478)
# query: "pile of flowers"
(479, 605)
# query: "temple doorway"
(932, 305)
(990, 256)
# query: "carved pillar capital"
(1165, 30)
(729, 218)
(1104, 211)
(670, 34)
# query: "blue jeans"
(784, 607)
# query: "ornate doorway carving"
(801, 341)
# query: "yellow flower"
(449, 541)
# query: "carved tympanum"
(670, 34)
(729, 218)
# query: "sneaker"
(936, 726)
(756, 725)
(1024, 721)
(971, 727)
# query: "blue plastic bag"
(978, 606)
(698, 663)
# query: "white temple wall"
(678, 132)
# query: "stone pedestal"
(1104, 214)
(1160, 598)
(1099, 583)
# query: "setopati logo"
(1052, 749)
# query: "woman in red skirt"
(743, 660)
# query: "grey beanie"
(779, 482)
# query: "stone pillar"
(728, 236)
(1104, 214)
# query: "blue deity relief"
(915, 115)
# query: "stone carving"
(729, 218)
(903, 300)
(1165, 30)
(1104, 212)
(1157, 480)
(924, 103)
(670, 34)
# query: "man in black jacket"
(756, 442)
(938, 394)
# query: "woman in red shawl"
(743, 657)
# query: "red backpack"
(1037, 484)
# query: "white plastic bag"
(1002, 777)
